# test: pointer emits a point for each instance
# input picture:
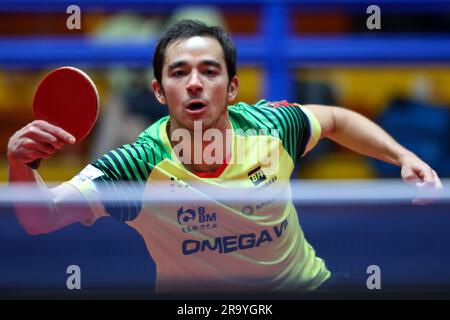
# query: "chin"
(204, 119)
(206, 124)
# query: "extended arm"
(356, 132)
(40, 139)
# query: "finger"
(429, 192)
(45, 137)
(45, 148)
(437, 181)
(411, 175)
(58, 132)
(424, 200)
(426, 176)
(33, 154)
(411, 178)
(424, 197)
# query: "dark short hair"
(186, 29)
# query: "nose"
(194, 85)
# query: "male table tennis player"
(237, 248)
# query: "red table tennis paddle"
(67, 98)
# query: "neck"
(205, 149)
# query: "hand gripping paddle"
(67, 98)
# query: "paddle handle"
(34, 164)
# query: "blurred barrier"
(316, 192)
(352, 225)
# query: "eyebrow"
(213, 63)
(208, 62)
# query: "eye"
(178, 73)
(210, 72)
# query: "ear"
(158, 91)
(233, 89)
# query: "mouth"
(196, 107)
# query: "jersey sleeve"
(113, 183)
(315, 130)
(297, 126)
(301, 129)
(84, 182)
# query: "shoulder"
(151, 139)
(252, 116)
(264, 106)
(268, 113)
(136, 160)
(152, 134)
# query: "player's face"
(195, 84)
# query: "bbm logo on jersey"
(185, 216)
